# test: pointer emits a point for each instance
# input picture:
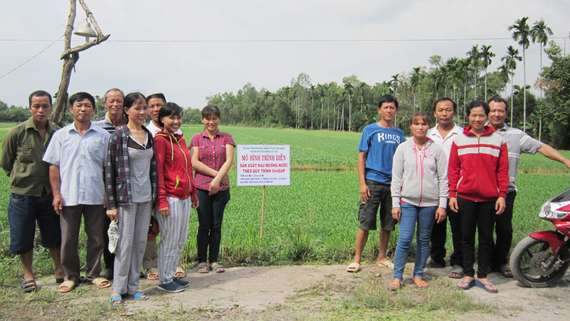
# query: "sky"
(190, 50)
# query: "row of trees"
(350, 106)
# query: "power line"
(280, 40)
(34, 56)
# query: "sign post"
(262, 165)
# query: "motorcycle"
(542, 258)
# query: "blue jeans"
(425, 216)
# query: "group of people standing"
(116, 172)
(465, 174)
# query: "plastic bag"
(113, 236)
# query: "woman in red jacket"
(176, 195)
(478, 184)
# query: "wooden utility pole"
(70, 57)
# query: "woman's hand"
(195, 204)
(453, 204)
(165, 211)
(440, 214)
(397, 213)
(214, 187)
(500, 205)
(113, 214)
(225, 180)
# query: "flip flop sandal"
(137, 296)
(203, 268)
(393, 286)
(29, 286)
(386, 264)
(485, 285)
(469, 285)
(456, 272)
(114, 299)
(218, 268)
(152, 274)
(353, 268)
(100, 282)
(180, 273)
(420, 283)
(70, 285)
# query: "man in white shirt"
(76, 155)
(444, 133)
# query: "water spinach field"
(315, 218)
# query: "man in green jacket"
(30, 191)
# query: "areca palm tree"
(415, 80)
(510, 60)
(486, 56)
(474, 59)
(521, 34)
(539, 33)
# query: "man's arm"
(9, 151)
(553, 154)
(361, 167)
(54, 180)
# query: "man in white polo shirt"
(444, 110)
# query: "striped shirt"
(212, 154)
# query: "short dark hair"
(111, 90)
(39, 93)
(446, 99)
(80, 96)
(169, 109)
(132, 98)
(388, 99)
(210, 110)
(475, 104)
(498, 99)
(423, 116)
(157, 95)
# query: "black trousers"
(480, 217)
(439, 237)
(504, 232)
(210, 217)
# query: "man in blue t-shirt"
(377, 146)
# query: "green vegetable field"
(314, 219)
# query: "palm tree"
(415, 82)
(474, 57)
(452, 66)
(510, 60)
(539, 33)
(521, 35)
(486, 56)
(463, 70)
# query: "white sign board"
(259, 165)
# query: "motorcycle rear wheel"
(527, 258)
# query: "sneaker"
(171, 287)
(181, 282)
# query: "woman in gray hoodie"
(419, 194)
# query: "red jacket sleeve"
(160, 148)
(454, 170)
(503, 171)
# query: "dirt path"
(255, 291)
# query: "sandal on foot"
(137, 296)
(152, 274)
(420, 283)
(29, 286)
(116, 301)
(395, 284)
(101, 282)
(456, 272)
(353, 268)
(486, 286)
(203, 268)
(386, 264)
(180, 273)
(505, 271)
(463, 285)
(66, 286)
(218, 268)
